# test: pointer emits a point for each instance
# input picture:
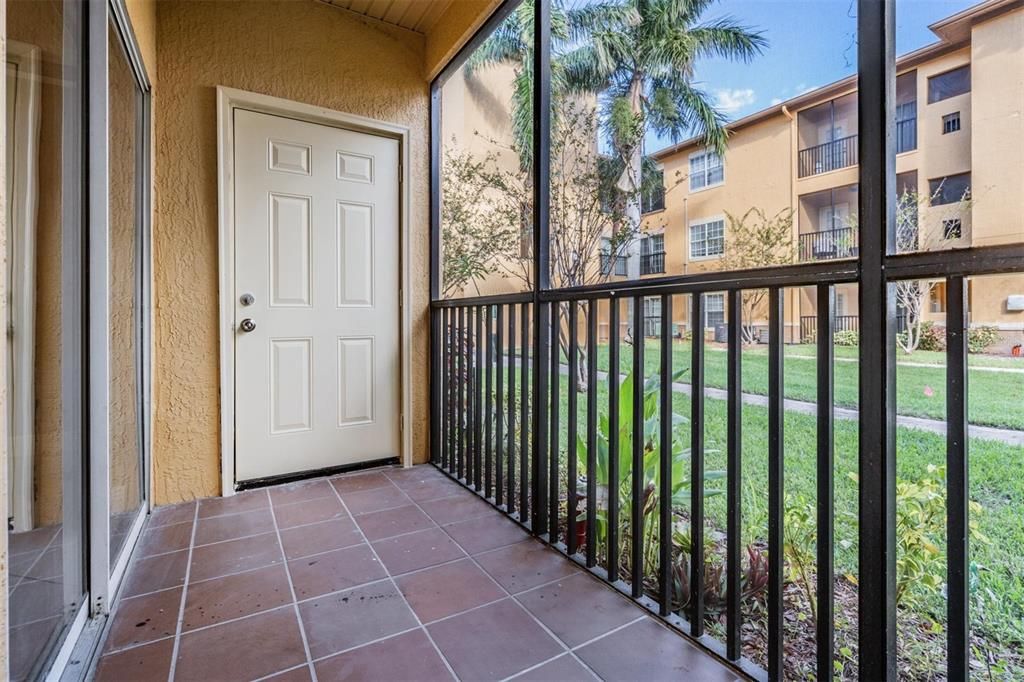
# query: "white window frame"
(707, 308)
(704, 223)
(704, 154)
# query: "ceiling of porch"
(416, 15)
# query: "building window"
(950, 189)
(951, 123)
(714, 310)
(652, 316)
(611, 263)
(707, 239)
(952, 229)
(706, 170)
(949, 84)
(937, 298)
(652, 254)
(652, 194)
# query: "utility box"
(721, 333)
(1015, 303)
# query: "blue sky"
(810, 43)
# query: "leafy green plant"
(753, 577)
(980, 339)
(680, 457)
(932, 338)
(798, 547)
(846, 337)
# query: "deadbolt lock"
(247, 325)
(247, 299)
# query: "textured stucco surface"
(299, 50)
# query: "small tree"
(757, 240)
(912, 294)
(475, 203)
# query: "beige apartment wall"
(308, 52)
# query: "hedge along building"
(959, 113)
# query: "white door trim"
(229, 99)
(23, 203)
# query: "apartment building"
(959, 137)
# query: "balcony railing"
(828, 156)
(613, 265)
(840, 242)
(652, 263)
(906, 135)
(842, 323)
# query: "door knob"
(247, 325)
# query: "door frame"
(229, 99)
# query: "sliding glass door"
(46, 586)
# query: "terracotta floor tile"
(215, 601)
(342, 620)
(383, 524)
(172, 514)
(320, 537)
(233, 556)
(239, 502)
(351, 483)
(151, 662)
(565, 668)
(493, 642)
(419, 662)
(410, 476)
(155, 573)
(332, 571)
(163, 539)
(46, 566)
(526, 564)
(243, 649)
(579, 608)
(444, 590)
(666, 656)
(294, 675)
(433, 488)
(311, 511)
(26, 643)
(376, 499)
(301, 491)
(460, 507)
(485, 532)
(221, 528)
(417, 550)
(142, 619)
(34, 540)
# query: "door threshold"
(313, 473)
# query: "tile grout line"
(511, 596)
(426, 632)
(291, 588)
(45, 549)
(184, 593)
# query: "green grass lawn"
(998, 600)
(994, 398)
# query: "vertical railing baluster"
(541, 414)
(460, 385)
(697, 465)
(510, 458)
(957, 482)
(776, 490)
(436, 385)
(478, 385)
(488, 404)
(572, 406)
(665, 461)
(613, 440)
(825, 390)
(734, 438)
(499, 419)
(524, 416)
(637, 442)
(553, 458)
(445, 383)
(592, 433)
(452, 400)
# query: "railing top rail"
(495, 299)
(830, 143)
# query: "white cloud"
(730, 101)
(776, 100)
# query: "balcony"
(840, 323)
(828, 244)
(906, 135)
(828, 156)
(389, 574)
(652, 263)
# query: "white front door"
(317, 296)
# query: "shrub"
(846, 337)
(980, 339)
(932, 337)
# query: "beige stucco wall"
(451, 31)
(308, 52)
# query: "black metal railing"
(840, 242)
(828, 156)
(906, 135)
(652, 263)
(841, 323)
(613, 265)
